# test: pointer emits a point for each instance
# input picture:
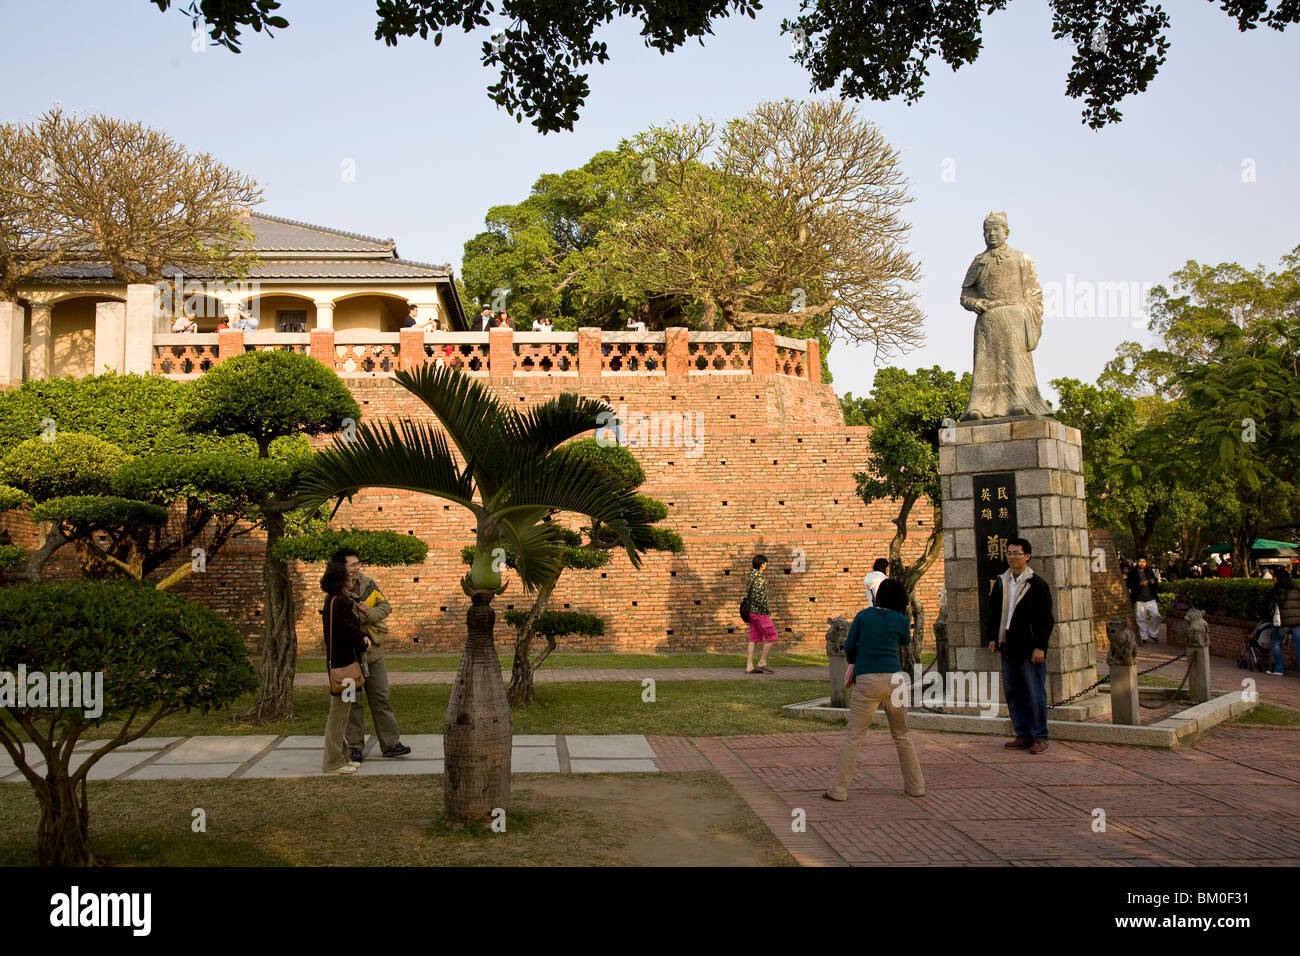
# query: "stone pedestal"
(1049, 511)
(1198, 672)
(1124, 706)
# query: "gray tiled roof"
(274, 234)
(345, 269)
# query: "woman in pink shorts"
(761, 629)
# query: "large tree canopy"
(869, 48)
(788, 217)
(1194, 436)
(132, 197)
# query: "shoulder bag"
(744, 604)
(338, 675)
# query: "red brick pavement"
(1232, 798)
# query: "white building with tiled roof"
(78, 319)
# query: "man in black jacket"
(1019, 624)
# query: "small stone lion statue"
(1123, 645)
(836, 634)
(1198, 632)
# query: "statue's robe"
(1004, 383)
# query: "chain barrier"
(1090, 687)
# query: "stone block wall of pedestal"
(1050, 514)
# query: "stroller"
(1256, 652)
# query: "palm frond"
(566, 483)
(538, 546)
(473, 417)
(415, 458)
(537, 430)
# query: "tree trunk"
(280, 650)
(909, 655)
(520, 692)
(476, 738)
(63, 834)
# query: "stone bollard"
(1122, 658)
(1198, 656)
(835, 637)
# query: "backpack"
(744, 604)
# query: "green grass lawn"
(1270, 714)
(449, 662)
(691, 819)
(681, 708)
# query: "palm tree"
(514, 476)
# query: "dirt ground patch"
(680, 819)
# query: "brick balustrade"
(720, 353)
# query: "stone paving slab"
(287, 762)
(534, 760)
(144, 743)
(613, 766)
(186, 771)
(111, 764)
(230, 749)
(623, 746)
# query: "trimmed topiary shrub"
(1244, 598)
(559, 623)
(69, 464)
(98, 512)
(384, 549)
(138, 654)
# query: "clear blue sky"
(1128, 204)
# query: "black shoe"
(355, 755)
(397, 750)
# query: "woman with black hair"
(872, 649)
(762, 631)
(344, 645)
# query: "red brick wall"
(773, 473)
(1109, 595)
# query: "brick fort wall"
(767, 466)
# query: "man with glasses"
(371, 608)
(1019, 624)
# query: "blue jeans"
(1025, 686)
(1278, 634)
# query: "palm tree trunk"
(476, 737)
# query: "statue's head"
(995, 229)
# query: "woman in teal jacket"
(872, 649)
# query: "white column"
(427, 311)
(324, 315)
(13, 321)
(110, 336)
(41, 344)
(137, 350)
